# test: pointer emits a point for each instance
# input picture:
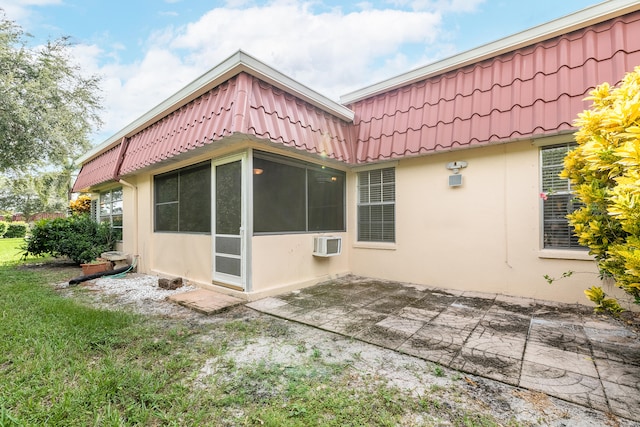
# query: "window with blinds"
(110, 210)
(558, 199)
(377, 205)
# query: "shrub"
(16, 229)
(605, 172)
(77, 237)
(3, 228)
(81, 205)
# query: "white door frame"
(225, 279)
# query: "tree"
(605, 172)
(32, 194)
(47, 107)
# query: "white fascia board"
(235, 64)
(583, 18)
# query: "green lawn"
(66, 364)
(10, 249)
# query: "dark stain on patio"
(488, 361)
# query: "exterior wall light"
(455, 180)
(456, 166)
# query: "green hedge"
(16, 229)
(77, 237)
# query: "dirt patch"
(631, 319)
(442, 391)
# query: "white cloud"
(442, 6)
(332, 51)
(17, 10)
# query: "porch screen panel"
(182, 200)
(228, 202)
(278, 197)
(325, 191)
(195, 199)
(229, 245)
(231, 266)
(292, 196)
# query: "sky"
(146, 50)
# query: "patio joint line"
(524, 350)
(484, 313)
(593, 359)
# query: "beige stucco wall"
(276, 262)
(482, 236)
(164, 254)
(283, 262)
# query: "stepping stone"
(205, 301)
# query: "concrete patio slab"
(562, 350)
(496, 366)
(205, 301)
(574, 387)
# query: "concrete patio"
(562, 350)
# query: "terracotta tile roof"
(99, 170)
(533, 91)
(279, 117)
(243, 104)
(200, 122)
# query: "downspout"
(124, 145)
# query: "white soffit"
(583, 18)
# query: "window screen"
(183, 200)
(377, 205)
(291, 196)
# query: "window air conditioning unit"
(325, 246)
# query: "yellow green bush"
(605, 172)
(81, 205)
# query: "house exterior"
(443, 176)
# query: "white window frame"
(387, 200)
(108, 217)
(570, 248)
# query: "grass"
(65, 363)
(10, 250)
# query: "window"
(111, 210)
(183, 200)
(376, 205)
(557, 200)
(291, 196)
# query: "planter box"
(94, 268)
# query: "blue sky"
(145, 50)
